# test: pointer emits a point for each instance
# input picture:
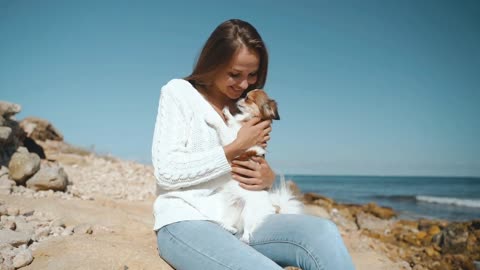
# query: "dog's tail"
(284, 200)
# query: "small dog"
(244, 209)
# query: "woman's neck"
(216, 98)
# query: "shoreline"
(448, 198)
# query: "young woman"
(190, 163)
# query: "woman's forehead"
(245, 60)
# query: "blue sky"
(363, 87)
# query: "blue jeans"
(304, 241)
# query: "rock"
(49, 178)
(5, 134)
(7, 265)
(22, 166)
(13, 211)
(372, 223)
(431, 252)
(3, 171)
(8, 109)
(83, 229)
(40, 129)
(3, 210)
(315, 210)
(6, 184)
(378, 211)
(10, 225)
(58, 223)
(23, 226)
(312, 197)
(454, 238)
(344, 219)
(68, 231)
(322, 201)
(433, 230)
(41, 233)
(14, 238)
(5, 247)
(23, 258)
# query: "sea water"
(451, 198)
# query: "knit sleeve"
(174, 165)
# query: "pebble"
(83, 229)
(22, 258)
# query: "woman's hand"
(254, 174)
(253, 132)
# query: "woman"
(190, 163)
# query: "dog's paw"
(245, 237)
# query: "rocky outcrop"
(40, 129)
(18, 165)
(424, 244)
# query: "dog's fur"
(245, 210)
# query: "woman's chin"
(235, 94)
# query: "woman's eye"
(233, 75)
(252, 74)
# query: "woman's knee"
(326, 226)
(313, 225)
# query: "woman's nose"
(244, 84)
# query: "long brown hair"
(220, 47)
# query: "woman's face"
(239, 74)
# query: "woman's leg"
(201, 244)
(304, 241)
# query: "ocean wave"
(475, 203)
(452, 201)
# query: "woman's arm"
(254, 174)
(174, 165)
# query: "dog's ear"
(270, 111)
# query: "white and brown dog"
(244, 209)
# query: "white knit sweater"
(188, 158)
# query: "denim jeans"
(304, 241)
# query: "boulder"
(379, 211)
(8, 109)
(5, 134)
(23, 165)
(40, 129)
(49, 178)
(372, 223)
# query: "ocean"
(450, 198)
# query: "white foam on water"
(452, 201)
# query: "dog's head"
(257, 103)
